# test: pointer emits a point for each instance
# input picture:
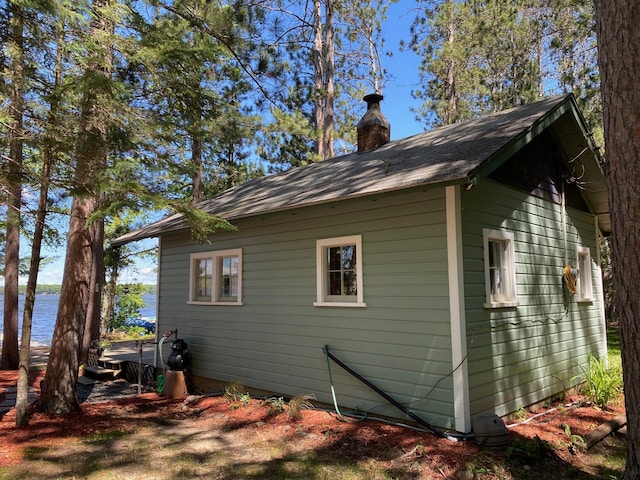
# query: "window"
(585, 290)
(216, 277)
(339, 272)
(499, 269)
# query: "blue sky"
(403, 67)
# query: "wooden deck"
(127, 351)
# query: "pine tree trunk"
(58, 394)
(22, 398)
(330, 71)
(318, 76)
(10, 356)
(450, 84)
(619, 53)
(196, 159)
(92, 322)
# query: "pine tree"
(498, 55)
(333, 55)
(13, 185)
(189, 68)
(618, 58)
(573, 51)
(58, 394)
(48, 155)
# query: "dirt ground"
(150, 437)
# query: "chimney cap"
(373, 98)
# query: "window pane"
(496, 281)
(582, 264)
(334, 258)
(497, 268)
(341, 271)
(229, 277)
(349, 257)
(495, 254)
(204, 277)
(350, 283)
(585, 289)
(335, 284)
(233, 283)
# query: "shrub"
(299, 403)
(133, 331)
(276, 405)
(235, 392)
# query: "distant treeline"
(55, 289)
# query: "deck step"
(112, 363)
(100, 373)
(82, 380)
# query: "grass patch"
(312, 466)
(33, 453)
(613, 347)
(105, 437)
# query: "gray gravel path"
(105, 391)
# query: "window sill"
(500, 305)
(234, 304)
(584, 300)
(339, 304)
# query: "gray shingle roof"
(448, 155)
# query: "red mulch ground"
(438, 455)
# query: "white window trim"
(321, 271)
(215, 288)
(501, 236)
(584, 279)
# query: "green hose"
(160, 379)
(325, 349)
(333, 392)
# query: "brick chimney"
(373, 128)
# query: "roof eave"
(156, 229)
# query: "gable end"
(540, 170)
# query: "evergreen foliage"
(482, 56)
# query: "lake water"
(46, 309)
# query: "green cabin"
(457, 270)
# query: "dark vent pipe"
(385, 395)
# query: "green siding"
(400, 341)
(519, 356)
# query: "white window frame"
(584, 279)
(215, 296)
(507, 264)
(322, 272)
